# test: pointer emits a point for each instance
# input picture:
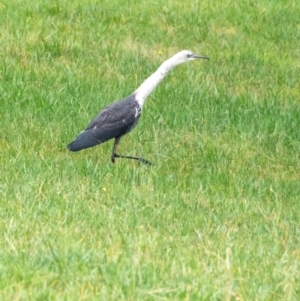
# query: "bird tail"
(74, 146)
(82, 141)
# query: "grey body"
(114, 121)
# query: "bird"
(120, 117)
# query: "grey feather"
(113, 121)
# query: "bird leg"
(115, 155)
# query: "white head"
(184, 56)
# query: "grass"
(216, 217)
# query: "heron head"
(187, 55)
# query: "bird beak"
(195, 56)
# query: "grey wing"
(114, 121)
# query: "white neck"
(152, 81)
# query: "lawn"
(217, 217)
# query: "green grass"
(216, 217)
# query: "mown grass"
(216, 217)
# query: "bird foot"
(142, 160)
